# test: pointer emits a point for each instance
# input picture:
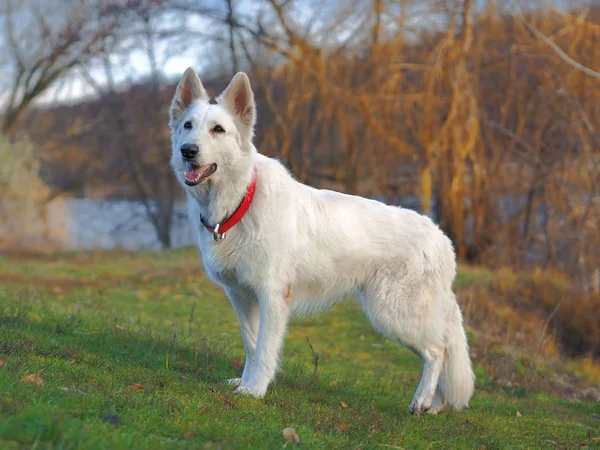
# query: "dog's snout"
(189, 151)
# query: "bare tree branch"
(566, 58)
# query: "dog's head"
(211, 141)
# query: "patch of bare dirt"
(73, 283)
(52, 256)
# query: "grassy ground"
(146, 340)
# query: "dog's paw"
(436, 408)
(419, 406)
(245, 390)
(234, 381)
(437, 405)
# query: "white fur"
(300, 249)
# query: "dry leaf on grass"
(519, 414)
(343, 426)
(134, 387)
(290, 434)
(2, 362)
(34, 379)
(344, 405)
(237, 363)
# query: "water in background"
(85, 224)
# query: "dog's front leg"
(274, 315)
(246, 309)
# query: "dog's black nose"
(189, 151)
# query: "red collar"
(220, 229)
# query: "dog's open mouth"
(195, 174)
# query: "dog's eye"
(187, 125)
(219, 129)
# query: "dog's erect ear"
(238, 99)
(188, 91)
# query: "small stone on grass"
(113, 419)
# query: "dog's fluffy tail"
(457, 380)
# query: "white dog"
(277, 246)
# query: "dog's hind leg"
(432, 366)
(245, 305)
(274, 315)
(438, 404)
(405, 309)
(424, 400)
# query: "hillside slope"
(112, 350)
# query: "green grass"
(99, 323)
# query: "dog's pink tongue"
(193, 174)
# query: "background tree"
(482, 114)
(45, 41)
